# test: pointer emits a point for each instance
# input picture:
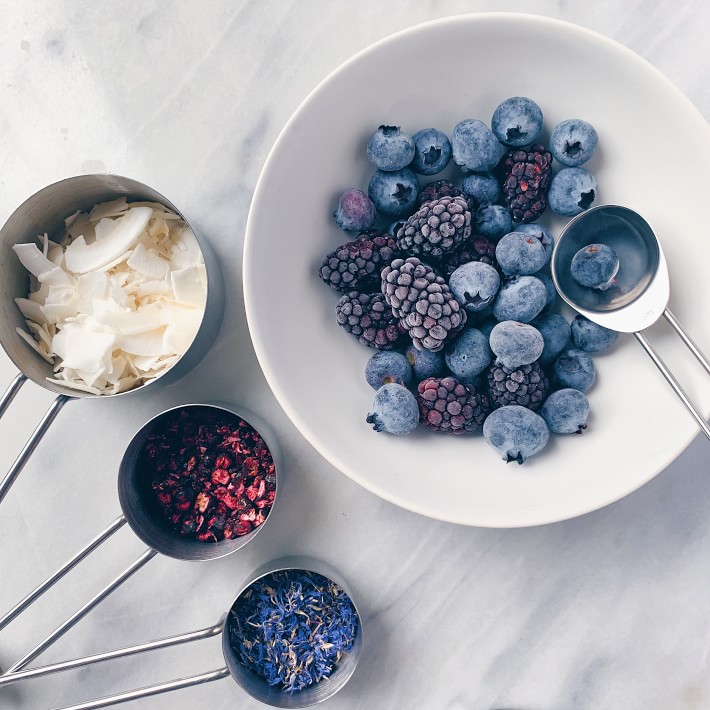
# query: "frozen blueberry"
(484, 188)
(573, 142)
(555, 332)
(542, 235)
(522, 298)
(572, 191)
(516, 344)
(515, 432)
(574, 368)
(395, 410)
(493, 221)
(590, 337)
(469, 355)
(475, 285)
(566, 411)
(520, 254)
(425, 363)
(432, 151)
(355, 211)
(474, 146)
(390, 149)
(386, 366)
(517, 121)
(394, 193)
(595, 266)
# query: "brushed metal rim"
(318, 692)
(16, 230)
(151, 531)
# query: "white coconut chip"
(34, 345)
(81, 257)
(118, 301)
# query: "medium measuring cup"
(142, 515)
(642, 290)
(44, 212)
(249, 681)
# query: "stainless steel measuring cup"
(250, 682)
(140, 512)
(44, 212)
(642, 290)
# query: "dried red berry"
(219, 475)
(211, 473)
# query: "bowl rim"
(339, 461)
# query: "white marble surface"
(605, 612)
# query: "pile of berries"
(455, 293)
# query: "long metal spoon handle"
(31, 445)
(674, 384)
(51, 581)
(176, 640)
(11, 391)
(690, 344)
(150, 690)
(81, 613)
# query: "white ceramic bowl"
(653, 156)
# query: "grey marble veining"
(606, 612)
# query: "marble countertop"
(603, 612)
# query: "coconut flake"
(185, 250)
(108, 209)
(81, 257)
(149, 263)
(34, 345)
(37, 264)
(150, 342)
(190, 285)
(31, 310)
(183, 324)
(126, 321)
(81, 348)
(89, 288)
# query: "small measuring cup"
(642, 290)
(249, 681)
(45, 211)
(141, 514)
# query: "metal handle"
(32, 443)
(687, 340)
(673, 383)
(176, 640)
(11, 391)
(51, 581)
(81, 613)
(150, 690)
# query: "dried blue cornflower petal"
(292, 628)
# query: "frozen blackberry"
(449, 405)
(438, 189)
(526, 176)
(423, 302)
(368, 317)
(357, 264)
(473, 249)
(526, 385)
(403, 281)
(436, 228)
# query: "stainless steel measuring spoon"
(44, 212)
(141, 514)
(642, 290)
(251, 683)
